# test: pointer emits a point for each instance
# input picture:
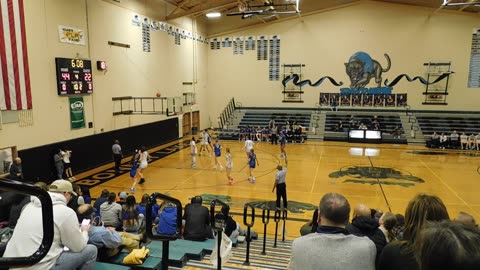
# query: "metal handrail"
(164, 238)
(47, 222)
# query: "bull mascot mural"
(361, 68)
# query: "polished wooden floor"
(314, 169)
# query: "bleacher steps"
(276, 258)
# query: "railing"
(189, 98)
(226, 113)
(47, 223)
(164, 238)
(217, 226)
(147, 105)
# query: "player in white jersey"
(204, 144)
(229, 166)
(144, 158)
(248, 146)
(193, 152)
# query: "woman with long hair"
(144, 158)
(132, 220)
(421, 210)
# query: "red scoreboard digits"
(74, 76)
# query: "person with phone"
(28, 233)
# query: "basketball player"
(248, 146)
(217, 149)
(205, 143)
(229, 166)
(252, 162)
(477, 141)
(193, 152)
(133, 170)
(144, 158)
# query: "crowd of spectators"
(425, 239)
(114, 222)
(294, 132)
(454, 141)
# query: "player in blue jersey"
(252, 162)
(217, 149)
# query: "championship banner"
(77, 119)
(71, 35)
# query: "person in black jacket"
(197, 221)
(364, 225)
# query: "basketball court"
(382, 176)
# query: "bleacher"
(387, 122)
(184, 253)
(261, 118)
(446, 124)
(254, 118)
(180, 251)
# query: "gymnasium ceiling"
(174, 9)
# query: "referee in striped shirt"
(280, 184)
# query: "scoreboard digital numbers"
(74, 76)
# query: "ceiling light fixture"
(471, 3)
(213, 14)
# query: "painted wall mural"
(361, 68)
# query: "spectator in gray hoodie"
(111, 212)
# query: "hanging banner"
(71, 35)
(77, 119)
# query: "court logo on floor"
(293, 206)
(376, 175)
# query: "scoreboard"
(74, 76)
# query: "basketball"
(158, 94)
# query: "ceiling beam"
(214, 4)
(466, 6)
(179, 6)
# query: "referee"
(280, 184)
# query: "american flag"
(15, 91)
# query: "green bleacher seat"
(109, 266)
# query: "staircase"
(413, 133)
(317, 126)
(275, 258)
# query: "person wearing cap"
(280, 184)
(122, 197)
(69, 249)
